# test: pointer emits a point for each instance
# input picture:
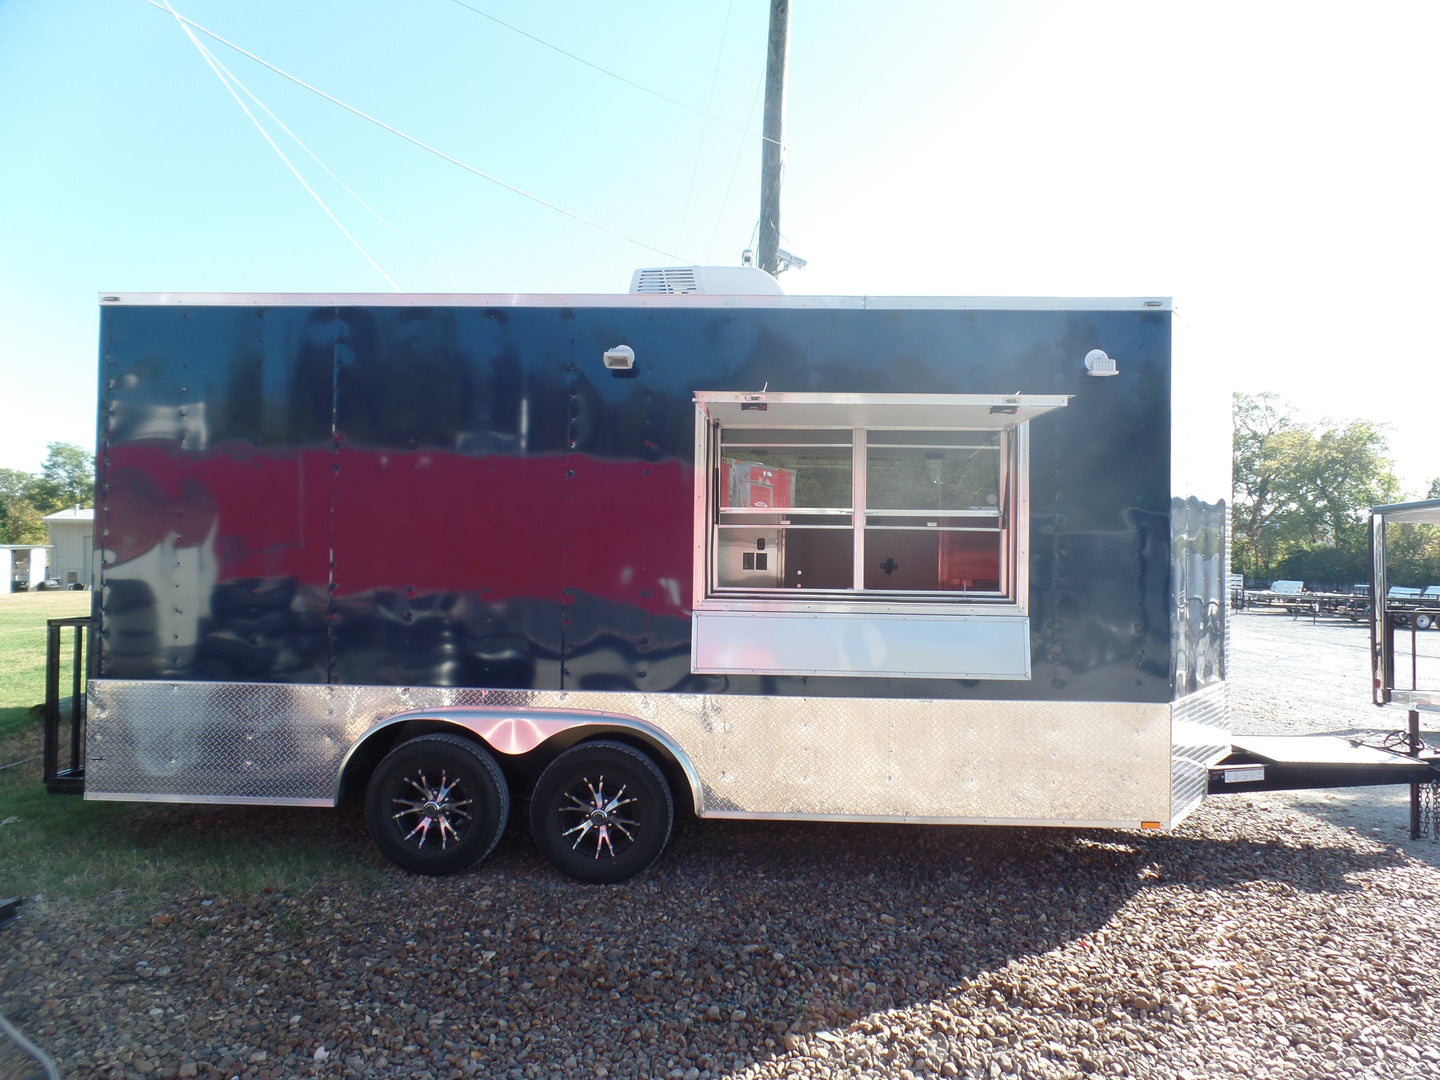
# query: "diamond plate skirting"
(1200, 723)
(1058, 763)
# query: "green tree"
(1345, 471)
(1302, 493)
(19, 518)
(66, 479)
(1264, 444)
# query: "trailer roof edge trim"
(1426, 511)
(636, 300)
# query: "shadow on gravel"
(742, 933)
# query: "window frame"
(859, 414)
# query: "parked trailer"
(767, 557)
(1293, 597)
(1412, 606)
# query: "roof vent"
(711, 280)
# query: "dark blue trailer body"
(356, 394)
(454, 502)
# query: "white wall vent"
(711, 280)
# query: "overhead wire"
(700, 146)
(739, 152)
(164, 6)
(329, 172)
(216, 68)
(611, 74)
(746, 131)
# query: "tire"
(462, 788)
(601, 812)
(1424, 621)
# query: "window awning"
(920, 411)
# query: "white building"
(72, 547)
(22, 567)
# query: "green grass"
(22, 650)
(131, 855)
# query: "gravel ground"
(1260, 939)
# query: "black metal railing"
(67, 779)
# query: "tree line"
(67, 479)
(1302, 495)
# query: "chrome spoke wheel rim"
(431, 816)
(597, 817)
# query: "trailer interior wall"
(315, 513)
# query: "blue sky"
(1270, 166)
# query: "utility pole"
(770, 163)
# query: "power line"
(607, 72)
(216, 67)
(739, 151)
(700, 146)
(330, 173)
(163, 6)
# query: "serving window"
(858, 507)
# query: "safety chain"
(1430, 809)
(1427, 794)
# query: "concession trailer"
(760, 556)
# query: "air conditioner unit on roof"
(706, 280)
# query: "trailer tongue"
(1296, 762)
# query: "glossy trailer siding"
(457, 494)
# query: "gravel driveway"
(1260, 939)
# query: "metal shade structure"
(1386, 612)
(1424, 512)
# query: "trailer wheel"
(601, 812)
(437, 804)
(1424, 621)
